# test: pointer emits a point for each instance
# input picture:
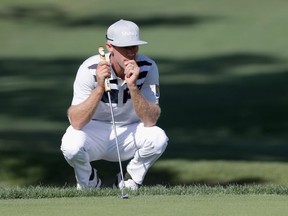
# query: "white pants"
(96, 141)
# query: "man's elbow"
(152, 119)
(77, 125)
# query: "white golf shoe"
(94, 181)
(128, 183)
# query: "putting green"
(224, 205)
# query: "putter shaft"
(108, 90)
(117, 144)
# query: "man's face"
(122, 54)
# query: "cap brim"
(128, 43)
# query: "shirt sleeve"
(150, 88)
(83, 85)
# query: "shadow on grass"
(228, 117)
(54, 15)
(169, 178)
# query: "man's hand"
(131, 73)
(102, 72)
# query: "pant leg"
(151, 143)
(96, 141)
(80, 147)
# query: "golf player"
(134, 84)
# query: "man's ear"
(109, 47)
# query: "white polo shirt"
(124, 113)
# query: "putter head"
(125, 196)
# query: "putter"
(108, 89)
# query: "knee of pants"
(72, 145)
(157, 138)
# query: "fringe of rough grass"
(55, 192)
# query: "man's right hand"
(102, 72)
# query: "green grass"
(223, 172)
(41, 192)
(196, 200)
(223, 68)
(151, 205)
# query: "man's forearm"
(79, 115)
(146, 111)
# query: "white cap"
(124, 33)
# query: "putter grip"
(107, 85)
(103, 58)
